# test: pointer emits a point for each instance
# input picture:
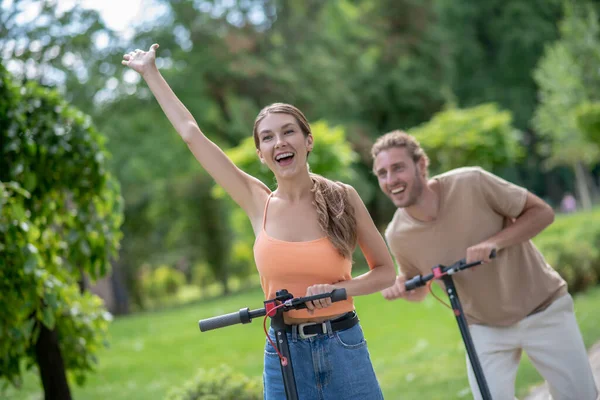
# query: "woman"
(306, 231)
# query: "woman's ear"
(259, 154)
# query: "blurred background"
(114, 241)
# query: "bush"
(218, 384)
(60, 218)
(570, 246)
(202, 276)
(162, 282)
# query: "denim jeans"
(330, 366)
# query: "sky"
(122, 15)
(117, 14)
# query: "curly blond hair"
(400, 139)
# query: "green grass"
(416, 349)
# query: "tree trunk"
(82, 282)
(582, 187)
(225, 284)
(51, 366)
(119, 288)
(594, 189)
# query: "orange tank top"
(297, 265)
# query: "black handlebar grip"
(220, 321)
(493, 254)
(413, 283)
(338, 295)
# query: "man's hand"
(480, 252)
(398, 291)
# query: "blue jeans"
(330, 366)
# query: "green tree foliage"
(588, 121)
(58, 44)
(570, 245)
(481, 135)
(161, 282)
(567, 77)
(492, 47)
(60, 212)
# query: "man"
(513, 303)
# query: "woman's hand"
(321, 303)
(141, 61)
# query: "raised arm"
(244, 189)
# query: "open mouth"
(284, 159)
(398, 190)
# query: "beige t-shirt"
(475, 205)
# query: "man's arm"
(534, 218)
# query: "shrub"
(202, 275)
(218, 384)
(60, 218)
(570, 246)
(162, 282)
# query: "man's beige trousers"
(554, 345)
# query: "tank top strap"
(265, 213)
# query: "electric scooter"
(445, 274)
(274, 309)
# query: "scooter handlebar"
(420, 280)
(220, 321)
(338, 295)
(416, 282)
(335, 295)
(245, 315)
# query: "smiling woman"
(306, 231)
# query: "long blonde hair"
(335, 213)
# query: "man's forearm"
(526, 226)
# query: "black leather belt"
(310, 329)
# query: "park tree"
(60, 212)
(493, 46)
(588, 121)
(483, 135)
(59, 44)
(568, 79)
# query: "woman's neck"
(295, 188)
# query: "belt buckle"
(306, 336)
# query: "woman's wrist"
(150, 72)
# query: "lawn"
(416, 349)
